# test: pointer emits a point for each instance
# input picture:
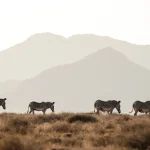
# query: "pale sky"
(127, 20)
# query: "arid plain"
(70, 131)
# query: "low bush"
(81, 118)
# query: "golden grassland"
(69, 131)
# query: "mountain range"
(106, 74)
(43, 51)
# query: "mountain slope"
(105, 74)
(43, 51)
(8, 86)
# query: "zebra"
(43, 106)
(143, 107)
(107, 106)
(3, 103)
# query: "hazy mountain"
(8, 86)
(105, 74)
(43, 51)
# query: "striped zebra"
(3, 103)
(142, 107)
(43, 106)
(107, 106)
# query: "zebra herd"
(99, 105)
(110, 105)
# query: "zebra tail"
(28, 110)
(131, 110)
(94, 108)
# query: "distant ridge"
(8, 86)
(46, 50)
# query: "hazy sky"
(121, 19)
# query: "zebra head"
(3, 103)
(118, 107)
(51, 106)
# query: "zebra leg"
(110, 111)
(97, 112)
(136, 111)
(43, 112)
(33, 112)
(30, 111)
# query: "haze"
(124, 20)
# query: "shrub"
(82, 118)
(39, 119)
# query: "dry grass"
(67, 131)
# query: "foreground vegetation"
(67, 131)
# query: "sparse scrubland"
(68, 131)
